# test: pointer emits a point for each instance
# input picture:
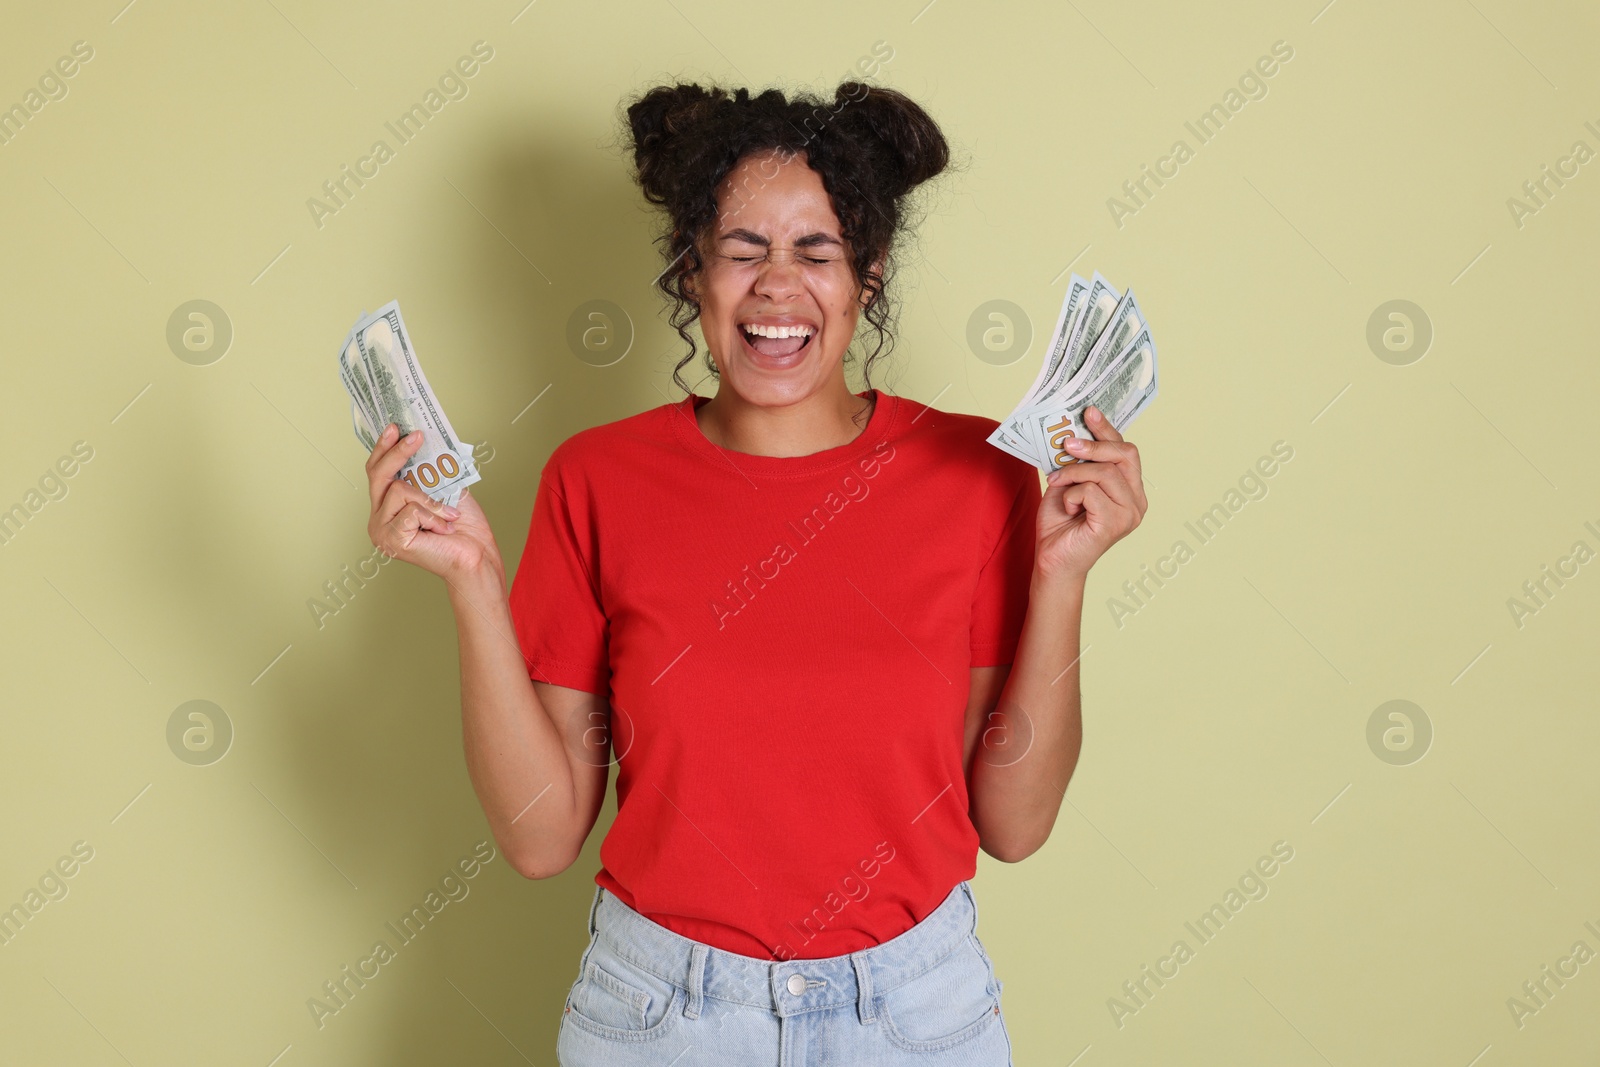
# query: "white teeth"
(777, 331)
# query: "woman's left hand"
(1089, 505)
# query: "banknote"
(1101, 353)
(1125, 318)
(1004, 441)
(1122, 391)
(364, 434)
(1124, 321)
(1008, 435)
(1065, 320)
(1098, 304)
(354, 376)
(379, 368)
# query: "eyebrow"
(810, 240)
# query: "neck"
(815, 424)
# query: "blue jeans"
(648, 995)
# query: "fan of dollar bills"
(1101, 354)
(379, 368)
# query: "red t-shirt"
(786, 644)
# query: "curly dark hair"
(871, 146)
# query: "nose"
(779, 276)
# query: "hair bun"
(657, 119)
(915, 150)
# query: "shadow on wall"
(561, 225)
(577, 235)
(565, 227)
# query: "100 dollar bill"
(379, 368)
(1011, 435)
(1123, 390)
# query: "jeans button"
(797, 984)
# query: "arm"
(536, 753)
(1031, 715)
(1031, 728)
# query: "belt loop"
(594, 936)
(594, 906)
(973, 897)
(697, 977)
(864, 1000)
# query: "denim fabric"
(647, 995)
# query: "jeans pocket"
(616, 999)
(952, 1002)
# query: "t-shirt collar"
(884, 411)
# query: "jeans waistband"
(828, 982)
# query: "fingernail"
(414, 435)
(451, 513)
(1077, 444)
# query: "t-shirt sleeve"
(1001, 601)
(555, 600)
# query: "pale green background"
(1223, 717)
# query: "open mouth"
(777, 342)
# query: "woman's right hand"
(409, 525)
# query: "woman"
(791, 611)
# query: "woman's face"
(776, 262)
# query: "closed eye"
(756, 259)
